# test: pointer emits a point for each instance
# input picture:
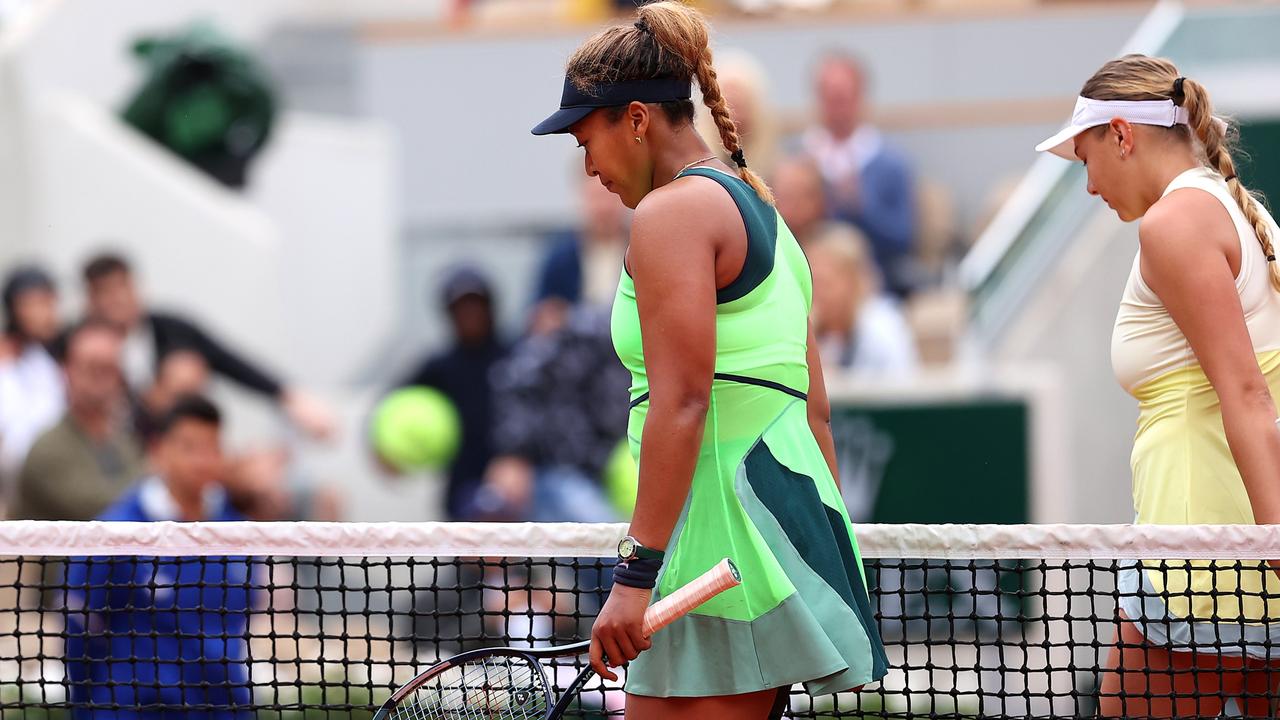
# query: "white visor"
(1092, 113)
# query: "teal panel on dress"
(793, 499)
(840, 529)
(761, 221)
(792, 522)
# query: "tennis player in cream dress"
(1197, 343)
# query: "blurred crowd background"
(299, 208)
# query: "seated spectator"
(800, 199)
(264, 484)
(868, 182)
(152, 336)
(32, 398)
(745, 88)
(462, 373)
(181, 372)
(164, 637)
(561, 410)
(583, 264)
(258, 481)
(858, 327)
(79, 467)
(561, 403)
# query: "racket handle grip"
(674, 606)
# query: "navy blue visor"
(576, 104)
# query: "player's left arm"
(672, 258)
(1188, 241)
(819, 408)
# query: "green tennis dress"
(762, 495)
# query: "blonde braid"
(1138, 77)
(1214, 140)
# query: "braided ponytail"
(1218, 152)
(668, 40)
(682, 31)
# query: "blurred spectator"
(81, 465)
(766, 6)
(151, 336)
(746, 89)
(858, 327)
(32, 397)
(265, 484)
(181, 372)
(459, 13)
(167, 635)
(259, 482)
(561, 401)
(798, 192)
(462, 373)
(583, 265)
(451, 608)
(869, 183)
(939, 246)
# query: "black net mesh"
(331, 637)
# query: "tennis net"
(324, 620)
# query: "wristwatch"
(630, 549)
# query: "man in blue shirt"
(869, 182)
(164, 637)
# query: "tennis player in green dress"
(729, 416)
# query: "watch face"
(626, 548)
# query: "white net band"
(542, 540)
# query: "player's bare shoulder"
(688, 209)
(1188, 221)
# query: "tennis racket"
(511, 683)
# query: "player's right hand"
(618, 634)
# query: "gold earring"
(639, 141)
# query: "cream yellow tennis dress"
(1183, 471)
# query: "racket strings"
(492, 688)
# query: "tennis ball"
(416, 428)
(621, 478)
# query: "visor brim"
(1061, 144)
(561, 120)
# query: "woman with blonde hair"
(860, 329)
(1197, 343)
(729, 416)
